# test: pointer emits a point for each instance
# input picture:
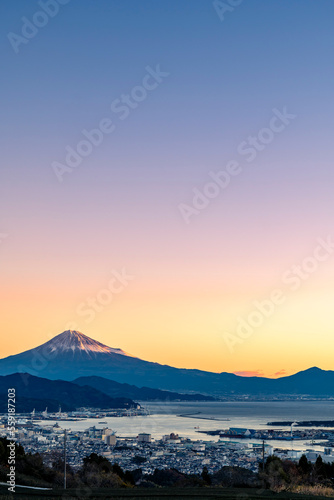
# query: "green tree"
(304, 465)
(274, 474)
(102, 463)
(206, 476)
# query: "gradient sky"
(120, 207)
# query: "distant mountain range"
(35, 392)
(72, 355)
(115, 389)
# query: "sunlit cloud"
(260, 373)
(280, 373)
(257, 373)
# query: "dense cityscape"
(234, 447)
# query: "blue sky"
(120, 206)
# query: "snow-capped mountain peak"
(72, 340)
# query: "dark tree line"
(287, 475)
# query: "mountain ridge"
(71, 355)
(61, 392)
(116, 389)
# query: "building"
(258, 447)
(144, 438)
(110, 439)
(199, 447)
(240, 432)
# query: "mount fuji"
(72, 355)
(76, 342)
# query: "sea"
(188, 419)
